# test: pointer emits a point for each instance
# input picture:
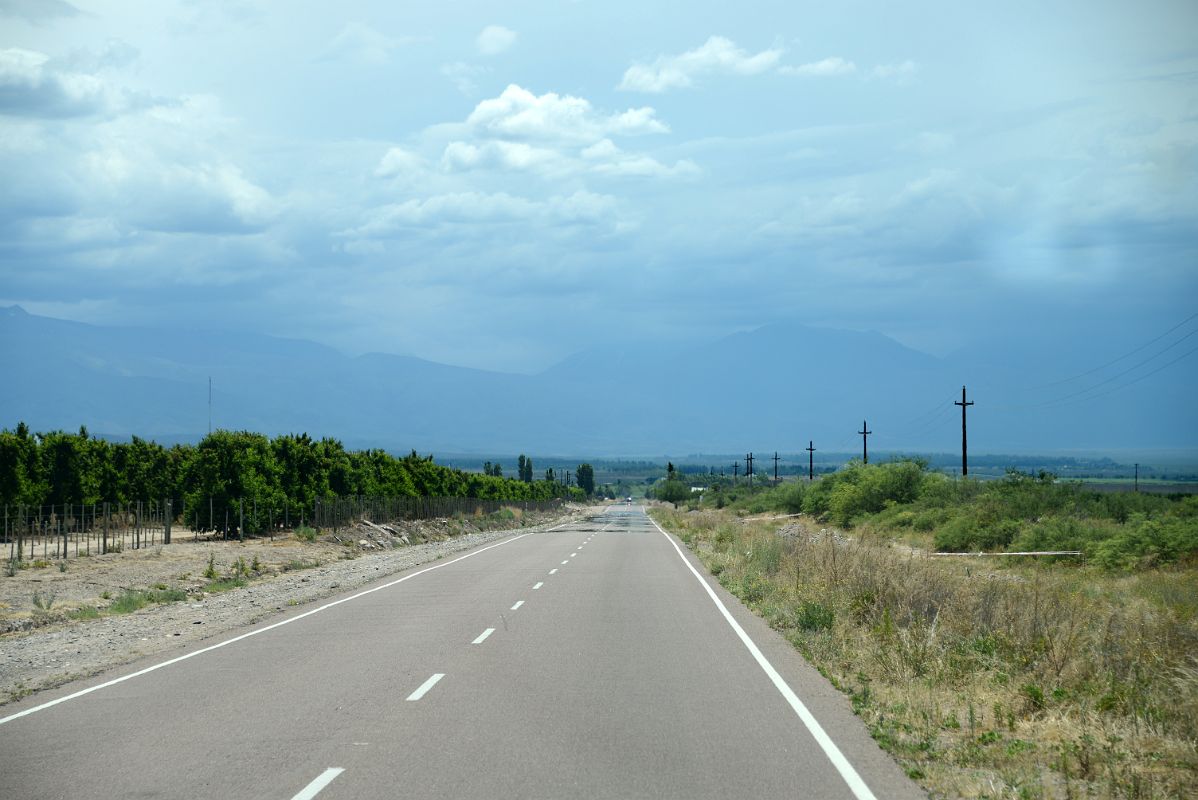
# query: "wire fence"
(70, 530)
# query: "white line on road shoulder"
(424, 687)
(482, 637)
(573, 554)
(855, 782)
(322, 780)
(518, 604)
(248, 634)
(538, 584)
(567, 561)
(553, 570)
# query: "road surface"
(595, 660)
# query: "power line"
(1120, 358)
(1132, 368)
(1134, 381)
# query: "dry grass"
(983, 681)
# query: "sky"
(502, 184)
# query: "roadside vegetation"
(996, 677)
(285, 474)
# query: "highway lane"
(588, 661)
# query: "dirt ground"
(58, 625)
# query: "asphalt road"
(597, 660)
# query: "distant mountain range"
(773, 388)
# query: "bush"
(1144, 542)
(814, 616)
(966, 532)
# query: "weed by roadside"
(132, 600)
(1033, 682)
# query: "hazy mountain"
(772, 388)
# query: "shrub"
(814, 616)
(968, 532)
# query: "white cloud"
(398, 162)
(553, 136)
(362, 44)
(204, 197)
(899, 72)
(462, 75)
(520, 114)
(32, 85)
(494, 39)
(828, 67)
(715, 56)
(479, 208)
(607, 159)
(517, 156)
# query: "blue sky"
(502, 184)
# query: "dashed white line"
(538, 584)
(322, 780)
(424, 687)
(264, 629)
(567, 561)
(518, 604)
(553, 570)
(573, 554)
(482, 637)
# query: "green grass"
(85, 612)
(43, 602)
(306, 534)
(226, 584)
(132, 600)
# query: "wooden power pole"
(865, 432)
(810, 460)
(964, 439)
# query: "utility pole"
(749, 468)
(775, 467)
(964, 440)
(810, 460)
(209, 405)
(735, 471)
(865, 432)
(1137, 477)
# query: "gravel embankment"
(52, 655)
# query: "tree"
(586, 478)
(524, 466)
(673, 491)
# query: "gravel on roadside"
(50, 656)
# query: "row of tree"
(293, 470)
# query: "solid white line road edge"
(855, 782)
(424, 687)
(482, 637)
(257, 631)
(322, 780)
